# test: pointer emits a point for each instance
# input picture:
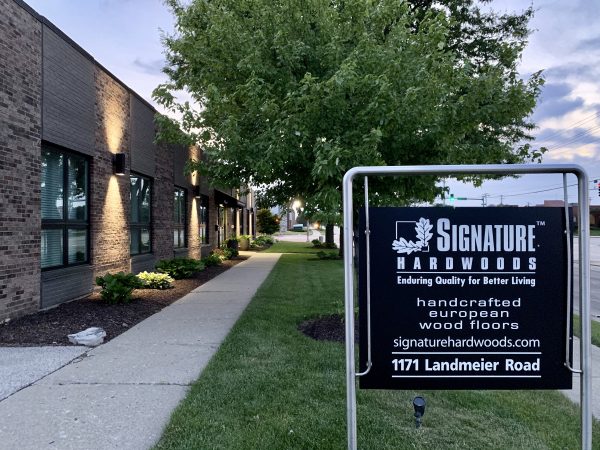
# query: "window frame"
(140, 225)
(65, 224)
(181, 226)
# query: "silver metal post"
(368, 258)
(569, 277)
(349, 309)
(584, 296)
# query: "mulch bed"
(52, 326)
(327, 328)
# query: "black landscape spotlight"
(419, 405)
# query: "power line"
(574, 125)
(575, 138)
(538, 191)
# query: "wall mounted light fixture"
(119, 163)
(196, 191)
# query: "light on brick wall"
(119, 163)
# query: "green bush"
(212, 260)
(117, 288)
(155, 280)
(263, 241)
(229, 251)
(223, 253)
(328, 255)
(316, 243)
(179, 268)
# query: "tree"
(295, 93)
(266, 222)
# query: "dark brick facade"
(109, 205)
(53, 93)
(20, 160)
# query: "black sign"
(468, 298)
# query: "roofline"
(43, 20)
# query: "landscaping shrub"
(318, 244)
(155, 280)
(232, 248)
(179, 268)
(328, 255)
(263, 241)
(223, 253)
(212, 260)
(117, 288)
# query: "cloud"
(153, 67)
(589, 44)
(581, 152)
(556, 101)
(574, 71)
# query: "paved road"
(595, 284)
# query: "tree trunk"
(329, 233)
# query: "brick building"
(83, 188)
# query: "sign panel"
(468, 298)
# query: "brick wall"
(109, 201)
(20, 160)
(162, 205)
(69, 94)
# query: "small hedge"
(212, 260)
(155, 280)
(328, 255)
(318, 244)
(117, 288)
(180, 268)
(263, 241)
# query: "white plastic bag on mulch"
(91, 337)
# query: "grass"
(594, 231)
(292, 247)
(271, 387)
(595, 329)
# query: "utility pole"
(484, 198)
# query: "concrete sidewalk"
(120, 395)
(575, 393)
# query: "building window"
(140, 225)
(203, 211)
(65, 224)
(179, 218)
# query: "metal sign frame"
(585, 371)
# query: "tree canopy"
(293, 93)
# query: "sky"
(125, 37)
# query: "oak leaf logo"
(423, 229)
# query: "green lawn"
(595, 330)
(271, 387)
(292, 247)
